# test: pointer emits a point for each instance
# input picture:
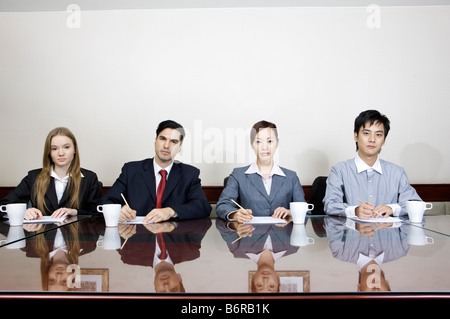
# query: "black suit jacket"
(183, 192)
(90, 193)
(182, 244)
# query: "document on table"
(378, 220)
(44, 220)
(266, 220)
(137, 220)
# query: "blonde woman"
(61, 187)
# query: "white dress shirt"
(60, 184)
(364, 260)
(156, 259)
(156, 169)
(268, 180)
(267, 246)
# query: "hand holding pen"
(367, 210)
(242, 215)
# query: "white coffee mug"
(16, 213)
(111, 213)
(111, 239)
(299, 210)
(417, 237)
(416, 209)
(15, 238)
(299, 237)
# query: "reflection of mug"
(16, 236)
(111, 213)
(111, 239)
(417, 237)
(299, 236)
(298, 211)
(16, 213)
(416, 209)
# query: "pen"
(238, 205)
(124, 200)
(130, 207)
(240, 208)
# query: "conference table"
(325, 257)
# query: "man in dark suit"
(182, 197)
(145, 247)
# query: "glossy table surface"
(206, 256)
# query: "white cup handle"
(428, 208)
(3, 208)
(431, 241)
(310, 240)
(310, 206)
(3, 241)
(100, 208)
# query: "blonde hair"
(43, 179)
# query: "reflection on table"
(14, 236)
(210, 256)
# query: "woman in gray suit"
(262, 188)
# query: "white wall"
(114, 76)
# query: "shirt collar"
(157, 168)
(267, 246)
(361, 166)
(65, 179)
(276, 170)
(364, 260)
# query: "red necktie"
(159, 196)
(161, 186)
(162, 246)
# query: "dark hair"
(259, 126)
(371, 117)
(173, 125)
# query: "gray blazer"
(248, 190)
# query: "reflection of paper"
(137, 220)
(378, 220)
(266, 220)
(44, 220)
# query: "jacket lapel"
(257, 182)
(172, 180)
(277, 183)
(149, 178)
(50, 196)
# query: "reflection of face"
(167, 280)
(266, 279)
(167, 146)
(372, 279)
(265, 145)
(57, 277)
(62, 151)
(370, 139)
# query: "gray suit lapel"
(257, 182)
(277, 184)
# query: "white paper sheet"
(137, 220)
(266, 220)
(44, 220)
(378, 220)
